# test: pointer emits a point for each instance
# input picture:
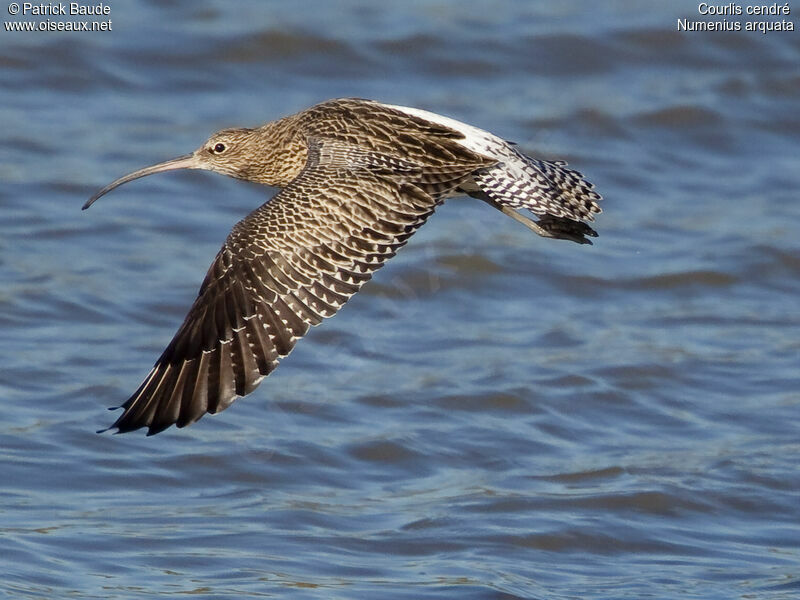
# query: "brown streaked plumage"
(358, 178)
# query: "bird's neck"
(282, 153)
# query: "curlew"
(358, 178)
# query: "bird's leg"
(529, 223)
(564, 229)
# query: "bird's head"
(232, 152)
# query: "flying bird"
(357, 179)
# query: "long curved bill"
(189, 161)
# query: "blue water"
(495, 415)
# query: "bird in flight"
(357, 179)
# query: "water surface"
(495, 415)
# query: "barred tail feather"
(543, 187)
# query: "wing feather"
(292, 262)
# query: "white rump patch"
(475, 139)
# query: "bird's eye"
(219, 148)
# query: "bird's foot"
(566, 229)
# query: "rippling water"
(495, 415)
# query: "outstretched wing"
(292, 262)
